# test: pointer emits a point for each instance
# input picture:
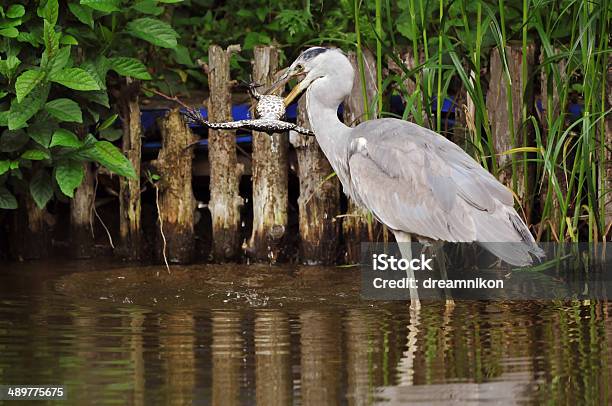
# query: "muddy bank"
(218, 286)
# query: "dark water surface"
(251, 335)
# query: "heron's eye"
(299, 68)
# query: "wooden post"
(319, 201)
(504, 122)
(225, 171)
(355, 225)
(410, 84)
(460, 132)
(129, 189)
(176, 200)
(270, 173)
(81, 216)
(31, 234)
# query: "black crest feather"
(312, 52)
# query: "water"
(243, 335)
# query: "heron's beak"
(295, 92)
(287, 75)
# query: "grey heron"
(412, 179)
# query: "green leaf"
(111, 157)
(60, 61)
(68, 39)
(100, 97)
(65, 110)
(10, 32)
(148, 7)
(22, 111)
(75, 78)
(49, 11)
(42, 128)
(154, 31)
(15, 11)
(4, 166)
(35, 155)
(8, 66)
(2, 94)
(94, 114)
(170, 1)
(10, 23)
(98, 70)
(405, 28)
(111, 134)
(11, 141)
(181, 56)
(69, 175)
(244, 13)
(51, 41)
(108, 122)
(41, 188)
(65, 138)
(27, 81)
(262, 13)
(255, 38)
(106, 6)
(7, 200)
(29, 37)
(129, 67)
(4, 118)
(83, 14)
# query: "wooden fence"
(322, 223)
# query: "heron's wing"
(474, 183)
(407, 184)
(417, 181)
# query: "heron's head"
(317, 63)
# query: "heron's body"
(412, 179)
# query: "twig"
(110, 238)
(190, 113)
(171, 98)
(161, 229)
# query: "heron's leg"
(404, 240)
(405, 365)
(441, 260)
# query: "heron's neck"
(322, 107)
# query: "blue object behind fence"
(241, 112)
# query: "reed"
(565, 160)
